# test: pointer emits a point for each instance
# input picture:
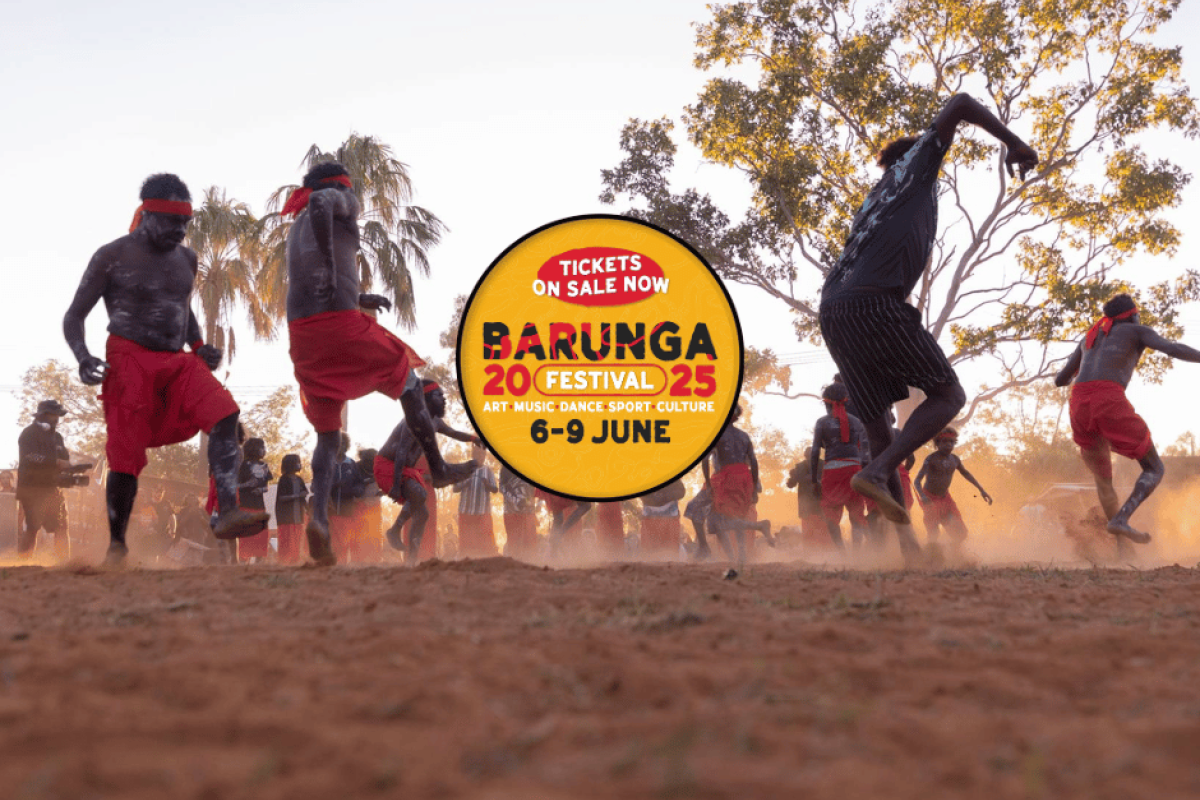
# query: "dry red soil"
(493, 679)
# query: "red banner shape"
(601, 276)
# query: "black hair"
(327, 169)
(254, 445)
(894, 150)
(835, 393)
(164, 186)
(1119, 304)
(290, 464)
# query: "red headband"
(431, 387)
(943, 435)
(839, 413)
(1105, 324)
(178, 207)
(298, 199)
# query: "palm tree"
(396, 236)
(228, 245)
(226, 238)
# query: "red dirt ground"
(492, 679)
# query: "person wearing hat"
(42, 458)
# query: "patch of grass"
(268, 766)
(281, 580)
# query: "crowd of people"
(156, 393)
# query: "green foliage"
(1027, 432)
(805, 92)
(1185, 445)
(83, 426)
(396, 236)
(225, 236)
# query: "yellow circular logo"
(599, 357)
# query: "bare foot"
(115, 557)
(240, 523)
(319, 548)
(1121, 528)
(764, 528)
(394, 537)
(882, 497)
(702, 554)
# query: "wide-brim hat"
(51, 407)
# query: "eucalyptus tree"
(805, 92)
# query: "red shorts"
(942, 511)
(341, 536)
(344, 355)
(153, 398)
(476, 538)
(290, 541)
(733, 491)
(384, 470)
(421, 476)
(836, 494)
(1101, 416)
(906, 485)
(256, 546)
(521, 530)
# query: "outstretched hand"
(210, 355)
(92, 371)
(374, 302)
(986, 497)
(1023, 157)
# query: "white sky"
(505, 112)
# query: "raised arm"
(91, 289)
(323, 207)
(1069, 370)
(964, 108)
(1178, 350)
(446, 430)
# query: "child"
(253, 477)
(933, 489)
(290, 494)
